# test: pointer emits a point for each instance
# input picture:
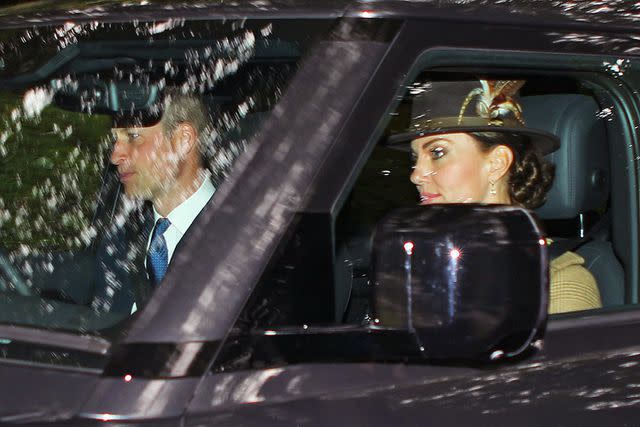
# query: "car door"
(62, 357)
(586, 369)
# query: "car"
(312, 290)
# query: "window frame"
(48, 340)
(420, 45)
(618, 91)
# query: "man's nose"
(119, 153)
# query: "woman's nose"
(421, 173)
(415, 176)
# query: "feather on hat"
(497, 109)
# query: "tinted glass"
(578, 205)
(70, 237)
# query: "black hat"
(471, 106)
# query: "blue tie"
(158, 256)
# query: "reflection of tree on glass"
(50, 203)
(489, 156)
(90, 157)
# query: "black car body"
(185, 358)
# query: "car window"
(67, 224)
(584, 212)
(577, 211)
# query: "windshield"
(105, 131)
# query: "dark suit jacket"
(121, 278)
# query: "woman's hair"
(530, 175)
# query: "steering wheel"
(10, 278)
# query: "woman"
(489, 156)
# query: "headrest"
(582, 163)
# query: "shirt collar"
(183, 215)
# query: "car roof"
(40, 12)
(604, 14)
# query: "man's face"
(146, 160)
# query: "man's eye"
(437, 153)
(133, 136)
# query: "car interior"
(581, 184)
(588, 209)
(100, 79)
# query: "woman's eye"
(437, 153)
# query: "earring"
(492, 190)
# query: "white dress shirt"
(181, 218)
(183, 215)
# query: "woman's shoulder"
(565, 261)
(572, 286)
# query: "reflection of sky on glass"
(452, 279)
(408, 249)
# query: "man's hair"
(182, 107)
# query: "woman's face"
(451, 168)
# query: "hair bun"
(530, 175)
(530, 179)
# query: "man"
(160, 164)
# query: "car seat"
(582, 177)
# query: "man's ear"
(500, 160)
(185, 138)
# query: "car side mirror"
(468, 281)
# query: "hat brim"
(136, 119)
(543, 141)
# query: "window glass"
(76, 210)
(585, 270)
(320, 274)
